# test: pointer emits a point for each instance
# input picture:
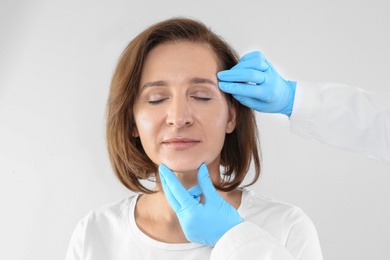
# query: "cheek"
(145, 124)
(216, 126)
(146, 133)
(218, 118)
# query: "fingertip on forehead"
(251, 55)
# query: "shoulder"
(99, 233)
(270, 228)
(279, 218)
(109, 214)
(254, 204)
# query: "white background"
(56, 62)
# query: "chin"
(182, 168)
(184, 165)
(189, 164)
(186, 162)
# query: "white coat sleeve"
(343, 116)
(249, 241)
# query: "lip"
(180, 143)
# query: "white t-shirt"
(271, 230)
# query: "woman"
(167, 120)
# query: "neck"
(155, 217)
(156, 207)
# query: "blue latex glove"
(255, 83)
(201, 223)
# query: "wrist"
(287, 110)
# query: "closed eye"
(201, 98)
(155, 102)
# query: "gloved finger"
(168, 194)
(246, 90)
(177, 196)
(204, 182)
(195, 192)
(255, 63)
(252, 55)
(254, 60)
(242, 75)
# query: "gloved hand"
(201, 223)
(255, 83)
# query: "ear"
(231, 123)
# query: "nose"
(179, 113)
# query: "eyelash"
(155, 102)
(201, 98)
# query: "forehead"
(180, 59)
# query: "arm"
(248, 240)
(343, 116)
(335, 114)
(217, 223)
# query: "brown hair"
(128, 158)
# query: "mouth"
(180, 143)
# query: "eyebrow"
(203, 81)
(196, 80)
(158, 83)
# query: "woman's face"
(181, 115)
